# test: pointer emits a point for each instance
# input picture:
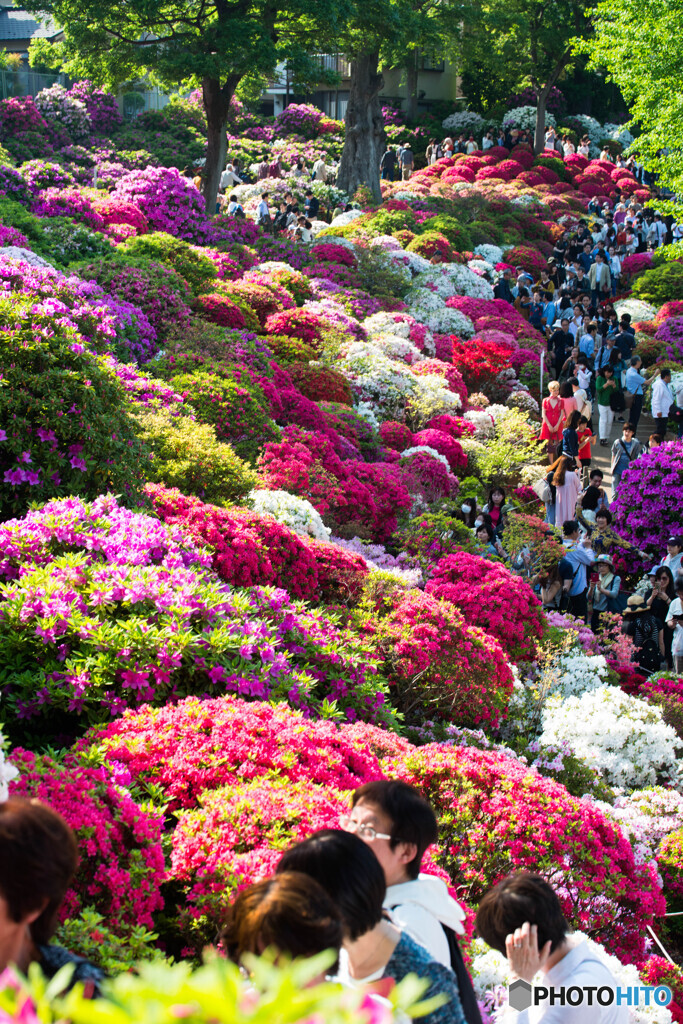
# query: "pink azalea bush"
(492, 597)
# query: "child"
(586, 439)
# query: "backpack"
(617, 402)
(468, 997)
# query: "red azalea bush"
(220, 310)
(528, 259)
(247, 549)
(330, 253)
(300, 324)
(673, 308)
(445, 445)
(121, 859)
(341, 574)
(429, 477)
(396, 435)
(439, 662)
(492, 597)
(479, 361)
(497, 816)
(321, 383)
(656, 970)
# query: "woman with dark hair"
(522, 918)
(485, 536)
(468, 512)
(373, 947)
(568, 401)
(587, 507)
(646, 632)
(290, 913)
(570, 437)
(38, 859)
(658, 599)
(496, 510)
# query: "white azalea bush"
(431, 398)
(455, 279)
(296, 513)
(410, 263)
(490, 253)
(617, 133)
(7, 771)
(377, 379)
(525, 118)
(430, 309)
(637, 309)
(397, 348)
(464, 121)
(491, 976)
(344, 218)
(647, 816)
(483, 423)
(575, 672)
(625, 738)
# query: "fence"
(27, 83)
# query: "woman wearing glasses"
(373, 947)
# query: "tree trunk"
(364, 141)
(539, 136)
(216, 106)
(411, 81)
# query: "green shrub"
(554, 163)
(188, 261)
(14, 215)
(378, 274)
(290, 350)
(660, 284)
(385, 222)
(237, 413)
(457, 234)
(433, 535)
(213, 343)
(188, 455)
(65, 416)
(65, 242)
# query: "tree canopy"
(505, 44)
(210, 43)
(639, 44)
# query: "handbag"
(616, 401)
(542, 490)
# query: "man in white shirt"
(522, 919)
(229, 178)
(658, 231)
(662, 400)
(263, 213)
(674, 556)
(399, 825)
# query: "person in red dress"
(553, 415)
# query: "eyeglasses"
(366, 832)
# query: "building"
(437, 79)
(18, 28)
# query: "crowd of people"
(356, 890)
(583, 582)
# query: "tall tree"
(210, 43)
(532, 39)
(381, 33)
(639, 44)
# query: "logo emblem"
(520, 995)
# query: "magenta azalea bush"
(170, 202)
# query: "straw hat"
(636, 603)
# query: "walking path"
(602, 457)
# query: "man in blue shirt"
(585, 257)
(549, 309)
(625, 342)
(634, 385)
(587, 345)
(573, 568)
(604, 355)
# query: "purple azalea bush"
(648, 507)
(671, 332)
(169, 201)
